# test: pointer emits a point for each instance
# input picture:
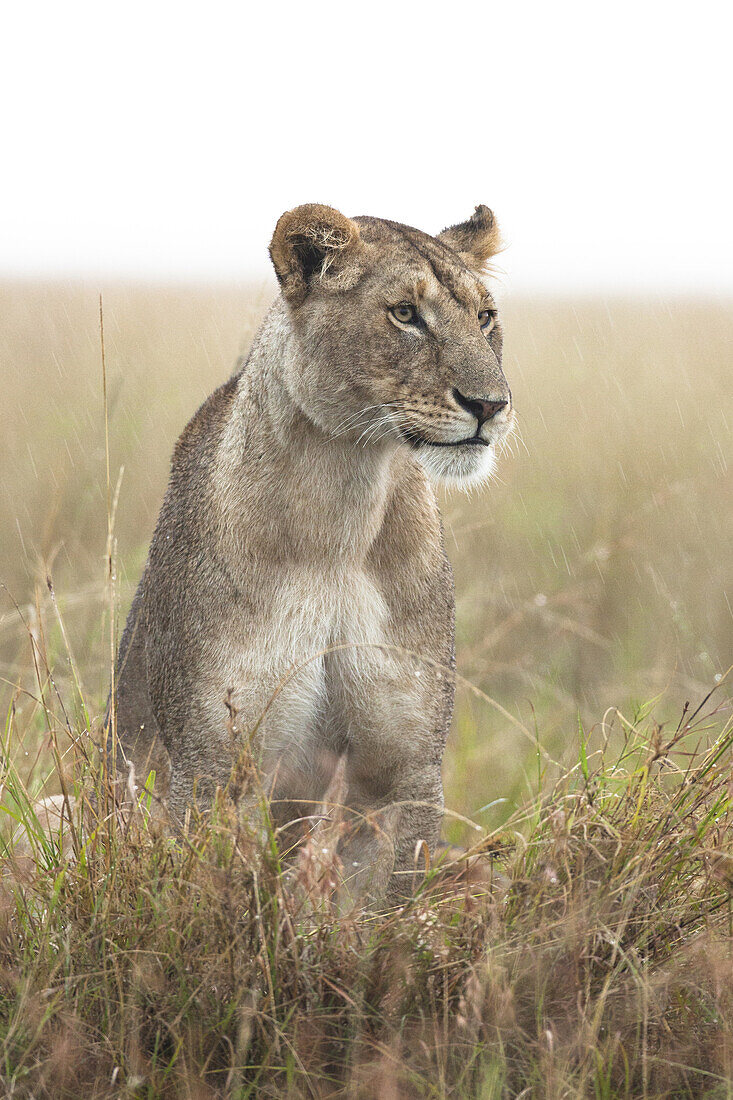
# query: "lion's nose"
(478, 407)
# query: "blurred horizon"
(264, 284)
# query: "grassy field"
(588, 952)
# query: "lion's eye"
(487, 320)
(404, 313)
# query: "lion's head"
(399, 339)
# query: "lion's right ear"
(315, 242)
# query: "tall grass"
(582, 949)
(583, 946)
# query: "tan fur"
(320, 233)
(477, 240)
(297, 569)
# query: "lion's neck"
(307, 495)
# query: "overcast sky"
(163, 140)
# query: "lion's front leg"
(394, 790)
(390, 822)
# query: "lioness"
(297, 571)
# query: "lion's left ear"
(475, 240)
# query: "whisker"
(352, 419)
(352, 422)
(373, 427)
(389, 427)
(386, 430)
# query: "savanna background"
(585, 948)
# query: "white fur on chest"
(316, 627)
(313, 611)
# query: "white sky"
(163, 140)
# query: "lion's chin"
(460, 465)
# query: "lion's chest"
(316, 647)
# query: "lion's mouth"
(416, 440)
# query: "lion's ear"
(475, 240)
(315, 242)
